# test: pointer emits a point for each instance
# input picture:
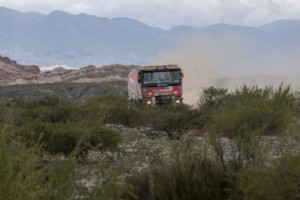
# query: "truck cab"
(156, 85)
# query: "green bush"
(3, 113)
(199, 180)
(247, 114)
(58, 138)
(174, 120)
(278, 180)
(47, 109)
(69, 138)
(97, 138)
(111, 109)
(18, 178)
(249, 99)
(211, 100)
(24, 176)
(260, 116)
(264, 111)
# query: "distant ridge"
(79, 40)
(12, 73)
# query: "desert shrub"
(192, 180)
(24, 176)
(247, 114)
(259, 116)
(69, 138)
(3, 113)
(215, 100)
(211, 100)
(96, 138)
(174, 120)
(278, 180)
(249, 95)
(56, 138)
(265, 111)
(111, 109)
(48, 101)
(296, 104)
(18, 178)
(47, 109)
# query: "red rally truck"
(156, 85)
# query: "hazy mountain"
(288, 32)
(283, 27)
(79, 40)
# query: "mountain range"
(80, 40)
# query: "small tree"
(174, 120)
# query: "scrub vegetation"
(241, 144)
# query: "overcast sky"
(168, 13)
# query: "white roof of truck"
(157, 67)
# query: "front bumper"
(163, 100)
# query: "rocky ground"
(142, 147)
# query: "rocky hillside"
(12, 73)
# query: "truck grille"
(163, 99)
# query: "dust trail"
(199, 60)
(229, 61)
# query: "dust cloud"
(199, 60)
(229, 62)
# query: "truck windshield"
(161, 77)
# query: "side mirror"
(139, 78)
(182, 74)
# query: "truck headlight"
(148, 102)
(177, 101)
